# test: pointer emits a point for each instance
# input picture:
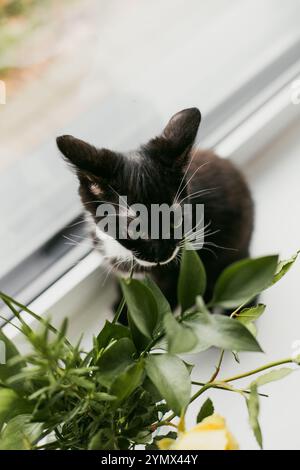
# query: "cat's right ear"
(85, 158)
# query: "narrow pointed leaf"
(273, 375)
(253, 411)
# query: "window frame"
(222, 129)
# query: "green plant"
(133, 381)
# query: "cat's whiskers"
(193, 229)
(189, 180)
(102, 201)
(83, 221)
(198, 193)
(124, 200)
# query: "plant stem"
(216, 373)
(119, 311)
(122, 303)
(259, 369)
(236, 311)
(209, 385)
(231, 389)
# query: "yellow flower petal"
(211, 434)
(205, 440)
(165, 444)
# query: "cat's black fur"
(153, 174)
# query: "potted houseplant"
(133, 382)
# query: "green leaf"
(142, 306)
(207, 409)
(253, 411)
(115, 360)
(102, 396)
(102, 440)
(7, 370)
(152, 390)
(192, 279)
(222, 332)
(140, 341)
(20, 434)
(111, 331)
(273, 375)
(11, 404)
(171, 378)
(128, 381)
(181, 339)
(243, 280)
(283, 267)
(200, 305)
(248, 316)
(163, 305)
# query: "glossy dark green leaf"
(111, 331)
(243, 280)
(128, 381)
(142, 306)
(207, 409)
(115, 360)
(222, 332)
(140, 341)
(181, 338)
(163, 305)
(192, 279)
(170, 376)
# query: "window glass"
(112, 72)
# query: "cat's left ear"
(182, 128)
(173, 145)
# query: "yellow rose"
(211, 434)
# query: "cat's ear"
(182, 129)
(172, 147)
(87, 159)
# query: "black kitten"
(164, 170)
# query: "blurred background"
(113, 72)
